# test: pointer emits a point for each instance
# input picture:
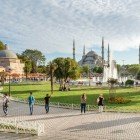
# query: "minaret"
(73, 49)
(108, 54)
(84, 51)
(102, 51)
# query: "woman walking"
(5, 104)
(100, 103)
(83, 103)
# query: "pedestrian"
(47, 99)
(100, 103)
(83, 103)
(31, 101)
(5, 104)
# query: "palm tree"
(51, 68)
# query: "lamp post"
(9, 85)
(9, 70)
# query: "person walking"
(31, 101)
(5, 104)
(83, 103)
(47, 99)
(100, 103)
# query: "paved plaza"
(62, 124)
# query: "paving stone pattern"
(65, 124)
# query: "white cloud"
(51, 25)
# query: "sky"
(51, 25)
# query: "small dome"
(7, 54)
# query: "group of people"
(31, 101)
(100, 103)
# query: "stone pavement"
(65, 124)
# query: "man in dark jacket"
(47, 99)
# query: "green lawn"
(40, 89)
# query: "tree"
(67, 69)
(36, 57)
(129, 82)
(2, 46)
(27, 62)
(134, 70)
(85, 69)
(98, 70)
(41, 69)
(3, 75)
(51, 67)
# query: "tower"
(139, 54)
(84, 52)
(73, 49)
(102, 51)
(108, 54)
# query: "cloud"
(50, 26)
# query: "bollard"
(58, 105)
(72, 106)
(16, 125)
(88, 107)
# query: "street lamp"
(9, 70)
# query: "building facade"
(10, 62)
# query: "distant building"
(10, 62)
(90, 59)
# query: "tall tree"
(27, 62)
(98, 70)
(51, 67)
(85, 69)
(36, 57)
(67, 68)
(2, 46)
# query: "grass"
(40, 89)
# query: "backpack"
(31, 100)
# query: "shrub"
(119, 100)
(129, 82)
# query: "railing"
(77, 106)
(13, 125)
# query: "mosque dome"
(91, 54)
(7, 54)
(92, 59)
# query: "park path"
(62, 124)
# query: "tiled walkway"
(64, 124)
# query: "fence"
(13, 125)
(77, 106)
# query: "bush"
(119, 100)
(129, 82)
